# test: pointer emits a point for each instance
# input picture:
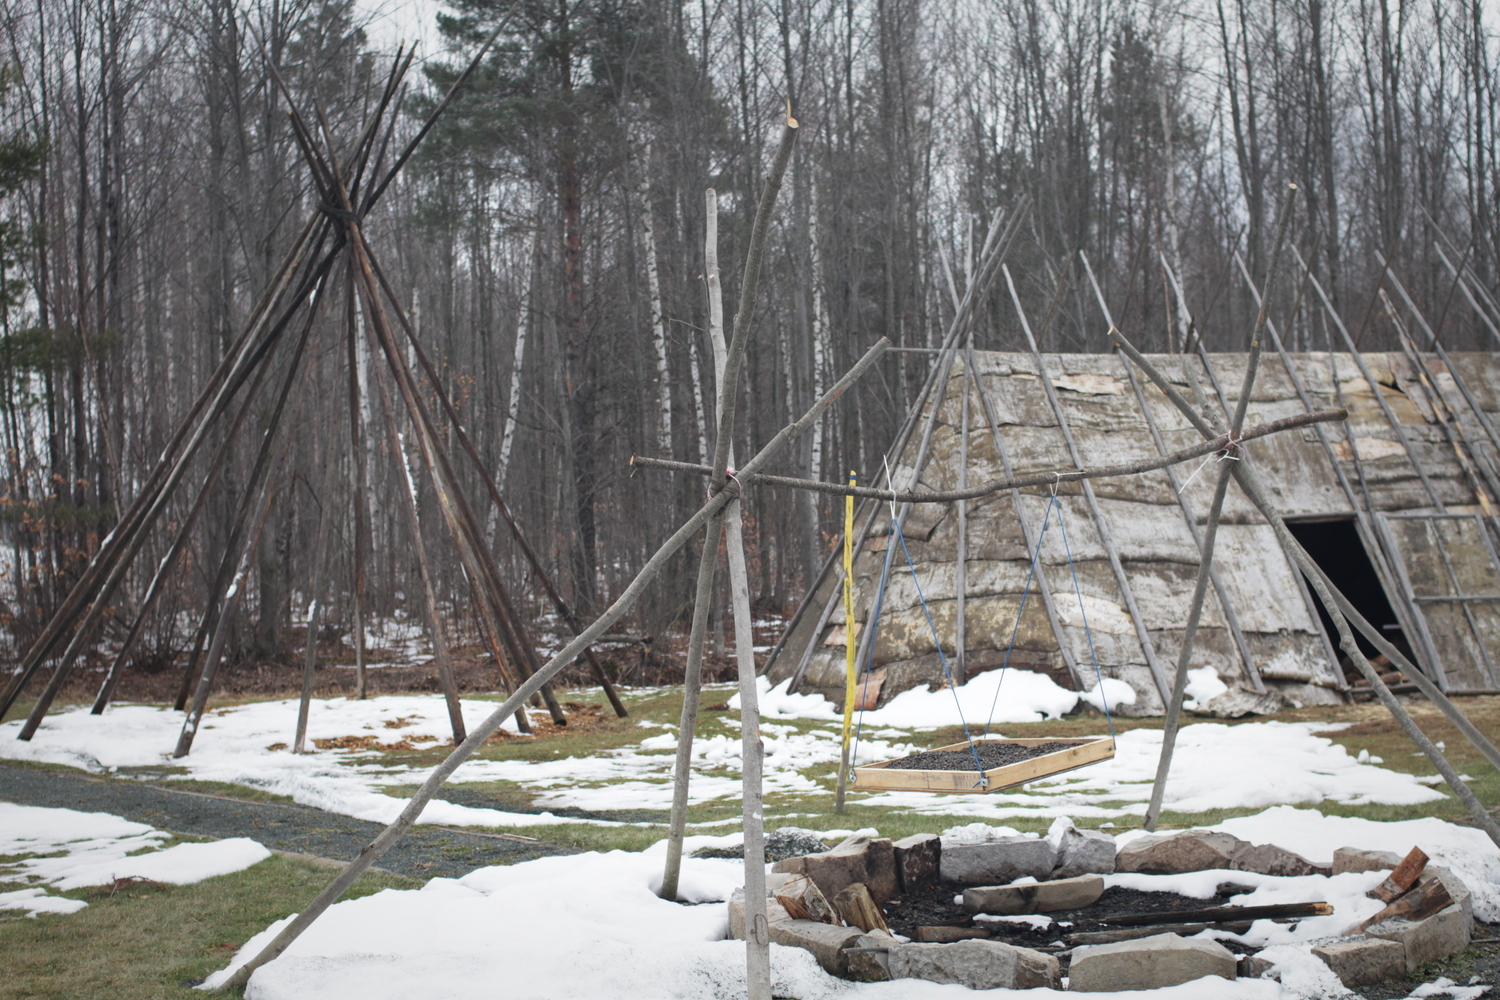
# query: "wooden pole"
(850, 673)
(232, 603)
(315, 603)
(724, 432)
(961, 556)
(752, 750)
(361, 540)
(408, 490)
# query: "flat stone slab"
(1175, 853)
(1148, 963)
(979, 965)
(1268, 859)
(1036, 897)
(825, 942)
(998, 862)
(1444, 933)
(1360, 960)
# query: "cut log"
(1430, 896)
(859, 909)
(1217, 914)
(803, 900)
(944, 933)
(1402, 878)
(1131, 933)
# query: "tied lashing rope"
(1053, 504)
(1235, 443)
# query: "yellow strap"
(849, 623)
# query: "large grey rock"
(1084, 852)
(1268, 859)
(858, 859)
(1359, 960)
(918, 860)
(998, 862)
(979, 965)
(1444, 933)
(1354, 859)
(1174, 853)
(1037, 897)
(1147, 964)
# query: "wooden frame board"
(1088, 750)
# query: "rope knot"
(1236, 442)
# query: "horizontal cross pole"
(1222, 443)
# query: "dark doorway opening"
(1336, 547)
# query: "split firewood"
(859, 909)
(1430, 896)
(803, 900)
(1402, 878)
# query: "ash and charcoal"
(991, 755)
(933, 905)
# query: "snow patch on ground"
(583, 927)
(81, 849)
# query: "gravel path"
(424, 852)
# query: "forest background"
(548, 243)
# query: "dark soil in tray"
(934, 905)
(991, 755)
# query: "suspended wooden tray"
(1080, 753)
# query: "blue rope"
(1078, 592)
(1025, 593)
(895, 529)
(979, 767)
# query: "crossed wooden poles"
(348, 188)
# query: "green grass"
(144, 942)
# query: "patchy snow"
(578, 928)
(1294, 765)
(35, 901)
(81, 849)
(234, 745)
(1467, 851)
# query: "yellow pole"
(850, 626)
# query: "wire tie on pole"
(1199, 469)
(890, 485)
(1235, 442)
